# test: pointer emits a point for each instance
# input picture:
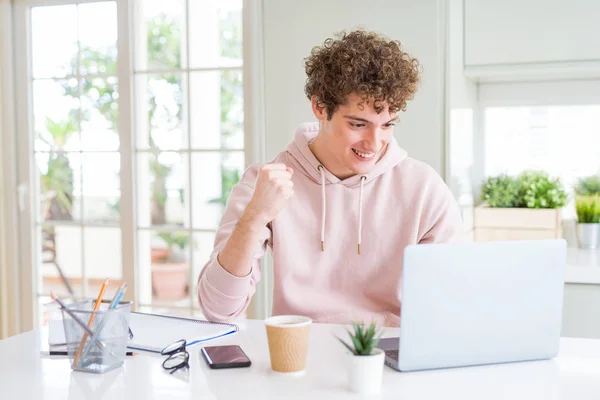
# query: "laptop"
(479, 303)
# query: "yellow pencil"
(92, 317)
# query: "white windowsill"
(583, 266)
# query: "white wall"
(291, 29)
(462, 91)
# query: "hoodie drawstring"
(323, 207)
(362, 180)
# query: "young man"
(339, 205)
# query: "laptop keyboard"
(393, 354)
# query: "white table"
(25, 374)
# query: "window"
(562, 140)
(550, 126)
(187, 138)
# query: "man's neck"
(319, 150)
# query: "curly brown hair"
(362, 63)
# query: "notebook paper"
(154, 332)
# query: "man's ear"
(319, 109)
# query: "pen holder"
(106, 349)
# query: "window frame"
(10, 290)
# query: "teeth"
(363, 155)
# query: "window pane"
(61, 257)
(217, 99)
(215, 33)
(169, 267)
(101, 186)
(203, 246)
(562, 140)
(218, 172)
(160, 31)
(98, 38)
(54, 40)
(99, 114)
(161, 116)
(60, 189)
(56, 115)
(102, 257)
(163, 194)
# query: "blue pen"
(117, 300)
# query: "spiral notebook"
(154, 332)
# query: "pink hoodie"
(402, 201)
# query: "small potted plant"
(170, 272)
(520, 207)
(588, 218)
(365, 369)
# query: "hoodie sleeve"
(444, 221)
(223, 296)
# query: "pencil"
(90, 323)
(75, 318)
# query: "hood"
(312, 168)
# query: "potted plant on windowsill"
(520, 207)
(587, 205)
(170, 272)
(588, 221)
(365, 369)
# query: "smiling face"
(354, 138)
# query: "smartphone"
(231, 356)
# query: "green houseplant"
(530, 189)
(501, 191)
(588, 221)
(366, 362)
(539, 190)
(525, 206)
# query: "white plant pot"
(588, 236)
(365, 372)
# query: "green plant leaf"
(364, 339)
(588, 209)
(357, 344)
(347, 346)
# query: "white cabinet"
(530, 33)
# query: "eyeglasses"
(178, 356)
